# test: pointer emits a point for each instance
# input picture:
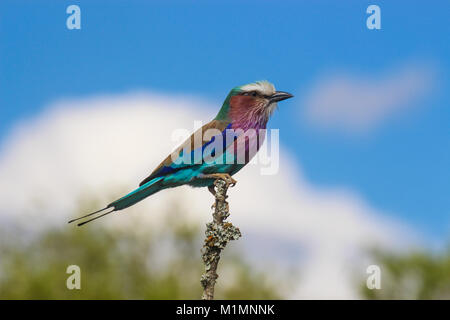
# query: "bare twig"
(218, 234)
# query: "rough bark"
(218, 234)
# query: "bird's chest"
(247, 142)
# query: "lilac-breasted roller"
(218, 154)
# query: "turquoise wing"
(182, 165)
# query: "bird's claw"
(228, 180)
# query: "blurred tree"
(122, 264)
(418, 275)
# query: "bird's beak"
(279, 96)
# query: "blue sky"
(201, 48)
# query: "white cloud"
(356, 103)
(92, 147)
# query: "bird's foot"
(223, 176)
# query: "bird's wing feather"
(168, 166)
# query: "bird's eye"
(251, 93)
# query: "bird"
(204, 158)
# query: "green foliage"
(418, 275)
(138, 262)
(127, 263)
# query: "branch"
(218, 234)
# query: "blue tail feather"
(137, 195)
(133, 197)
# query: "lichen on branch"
(218, 234)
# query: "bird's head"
(254, 100)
